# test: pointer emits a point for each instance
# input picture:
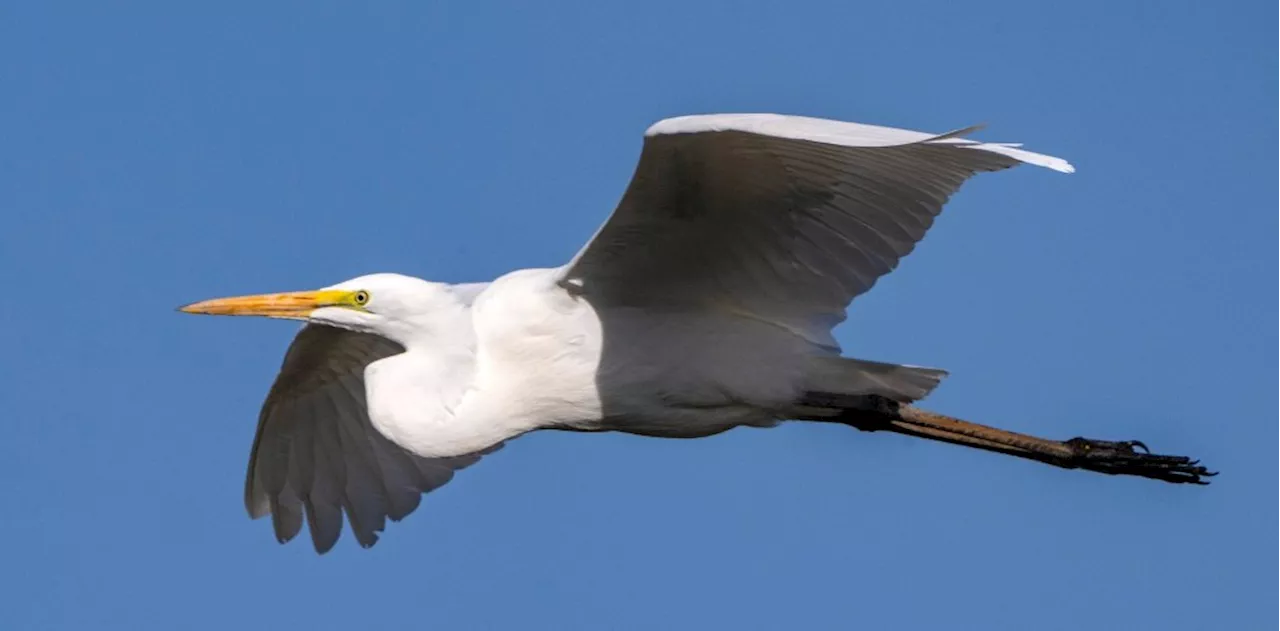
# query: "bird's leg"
(873, 413)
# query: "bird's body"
(524, 353)
(706, 302)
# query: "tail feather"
(853, 377)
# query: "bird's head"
(390, 305)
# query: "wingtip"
(1024, 156)
(1061, 166)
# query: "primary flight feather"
(704, 303)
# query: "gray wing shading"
(783, 217)
(316, 454)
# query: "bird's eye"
(361, 298)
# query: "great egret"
(705, 302)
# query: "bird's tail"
(846, 377)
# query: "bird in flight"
(704, 303)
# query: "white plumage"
(705, 302)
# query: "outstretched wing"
(316, 453)
(783, 217)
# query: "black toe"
(1123, 458)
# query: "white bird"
(704, 303)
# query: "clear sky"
(155, 153)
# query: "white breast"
(538, 350)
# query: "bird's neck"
(414, 397)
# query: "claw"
(1121, 458)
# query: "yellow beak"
(293, 305)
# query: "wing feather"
(316, 455)
(786, 217)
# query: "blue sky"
(157, 153)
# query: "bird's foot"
(1131, 457)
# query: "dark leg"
(873, 413)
